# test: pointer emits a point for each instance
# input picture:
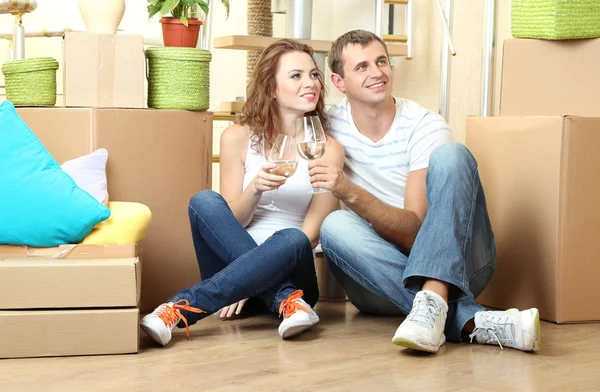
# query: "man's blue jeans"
(455, 244)
(234, 267)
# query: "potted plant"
(183, 26)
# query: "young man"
(414, 236)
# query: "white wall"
(419, 78)
(416, 79)
(227, 67)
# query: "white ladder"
(408, 38)
(446, 16)
(390, 37)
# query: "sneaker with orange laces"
(160, 323)
(297, 315)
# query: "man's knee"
(334, 225)
(451, 157)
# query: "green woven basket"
(178, 78)
(555, 19)
(31, 82)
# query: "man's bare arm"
(396, 225)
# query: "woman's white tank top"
(292, 199)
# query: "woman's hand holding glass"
(284, 157)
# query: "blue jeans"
(455, 244)
(234, 267)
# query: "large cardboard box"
(541, 177)
(160, 158)
(34, 283)
(104, 70)
(550, 78)
(43, 333)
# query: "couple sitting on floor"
(413, 237)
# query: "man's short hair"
(353, 37)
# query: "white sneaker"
(511, 328)
(160, 323)
(297, 315)
(423, 328)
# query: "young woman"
(245, 247)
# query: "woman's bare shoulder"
(236, 134)
(234, 143)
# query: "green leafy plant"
(181, 9)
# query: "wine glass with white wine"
(312, 141)
(284, 154)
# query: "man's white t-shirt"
(382, 167)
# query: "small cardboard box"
(34, 283)
(550, 78)
(541, 177)
(45, 333)
(104, 70)
(232, 106)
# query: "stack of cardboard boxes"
(539, 163)
(83, 302)
(159, 158)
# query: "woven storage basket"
(31, 82)
(555, 19)
(178, 78)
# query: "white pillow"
(89, 173)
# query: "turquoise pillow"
(40, 205)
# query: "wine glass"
(284, 153)
(312, 142)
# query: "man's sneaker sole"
(538, 342)
(537, 339)
(530, 327)
(419, 346)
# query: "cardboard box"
(550, 78)
(232, 106)
(75, 251)
(34, 283)
(541, 177)
(160, 158)
(44, 333)
(104, 70)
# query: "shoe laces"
(171, 315)
(292, 304)
(496, 327)
(424, 312)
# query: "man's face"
(367, 74)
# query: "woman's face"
(298, 86)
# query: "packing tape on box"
(106, 75)
(63, 253)
(19, 251)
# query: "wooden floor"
(347, 351)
